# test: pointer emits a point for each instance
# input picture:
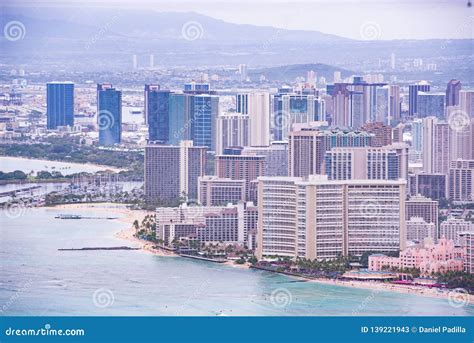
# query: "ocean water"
(37, 279)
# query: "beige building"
(214, 191)
(418, 230)
(452, 227)
(423, 207)
(321, 218)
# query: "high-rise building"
(157, 113)
(240, 167)
(172, 172)
(466, 102)
(181, 117)
(276, 157)
(214, 191)
(289, 108)
(152, 61)
(461, 180)
(433, 186)
(60, 104)
(206, 109)
(232, 130)
(420, 206)
(417, 135)
(452, 92)
(467, 239)
(367, 163)
(109, 115)
(382, 133)
(242, 103)
(259, 116)
(324, 219)
(135, 62)
(436, 145)
(395, 104)
(418, 230)
(393, 61)
(308, 144)
(430, 104)
(243, 72)
(452, 227)
(359, 102)
(413, 90)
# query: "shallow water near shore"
(37, 279)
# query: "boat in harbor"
(68, 216)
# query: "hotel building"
(452, 227)
(384, 163)
(172, 172)
(214, 191)
(461, 180)
(418, 230)
(240, 167)
(321, 218)
(420, 206)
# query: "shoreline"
(76, 164)
(376, 287)
(129, 216)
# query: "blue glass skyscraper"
(109, 115)
(157, 113)
(60, 102)
(206, 109)
(181, 112)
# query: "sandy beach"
(129, 216)
(126, 216)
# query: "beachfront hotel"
(429, 258)
(452, 227)
(215, 191)
(208, 224)
(467, 242)
(321, 218)
(173, 171)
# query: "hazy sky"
(415, 19)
